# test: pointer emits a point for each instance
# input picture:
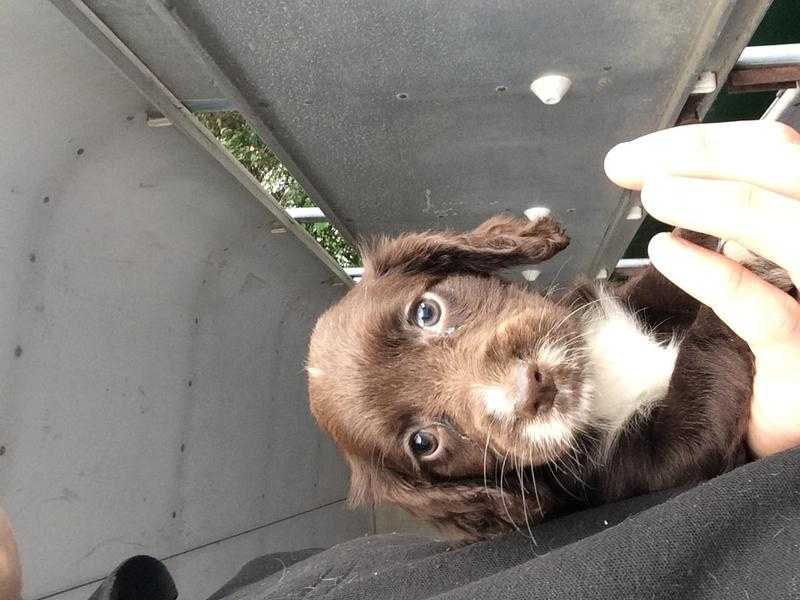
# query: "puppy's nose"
(541, 392)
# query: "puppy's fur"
(514, 406)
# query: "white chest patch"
(629, 368)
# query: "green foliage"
(243, 142)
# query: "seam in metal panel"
(181, 31)
(88, 23)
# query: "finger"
(10, 572)
(761, 221)
(762, 315)
(762, 153)
(775, 411)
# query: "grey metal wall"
(152, 330)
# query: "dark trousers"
(737, 536)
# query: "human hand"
(740, 182)
(10, 575)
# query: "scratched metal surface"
(468, 139)
(152, 398)
(792, 115)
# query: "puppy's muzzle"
(537, 390)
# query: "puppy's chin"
(548, 436)
(536, 440)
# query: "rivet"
(537, 213)
(531, 274)
(550, 89)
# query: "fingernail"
(660, 246)
(657, 189)
(620, 150)
(620, 162)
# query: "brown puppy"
(481, 406)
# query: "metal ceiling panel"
(412, 115)
(181, 70)
(152, 394)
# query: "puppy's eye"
(427, 313)
(423, 443)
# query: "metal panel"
(153, 398)
(414, 115)
(787, 104)
(182, 69)
(199, 573)
(793, 117)
(178, 114)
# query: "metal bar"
(181, 32)
(629, 266)
(706, 83)
(770, 76)
(354, 271)
(171, 107)
(763, 56)
(624, 265)
(763, 87)
(208, 104)
(783, 101)
(633, 263)
(307, 215)
(205, 105)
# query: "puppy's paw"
(704, 240)
(771, 273)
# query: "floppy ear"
(469, 510)
(500, 242)
(370, 484)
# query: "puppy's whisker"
(535, 490)
(485, 457)
(578, 469)
(503, 496)
(554, 285)
(560, 484)
(568, 469)
(524, 501)
(571, 314)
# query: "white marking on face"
(550, 433)
(585, 398)
(556, 431)
(498, 401)
(630, 370)
(315, 372)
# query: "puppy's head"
(436, 378)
